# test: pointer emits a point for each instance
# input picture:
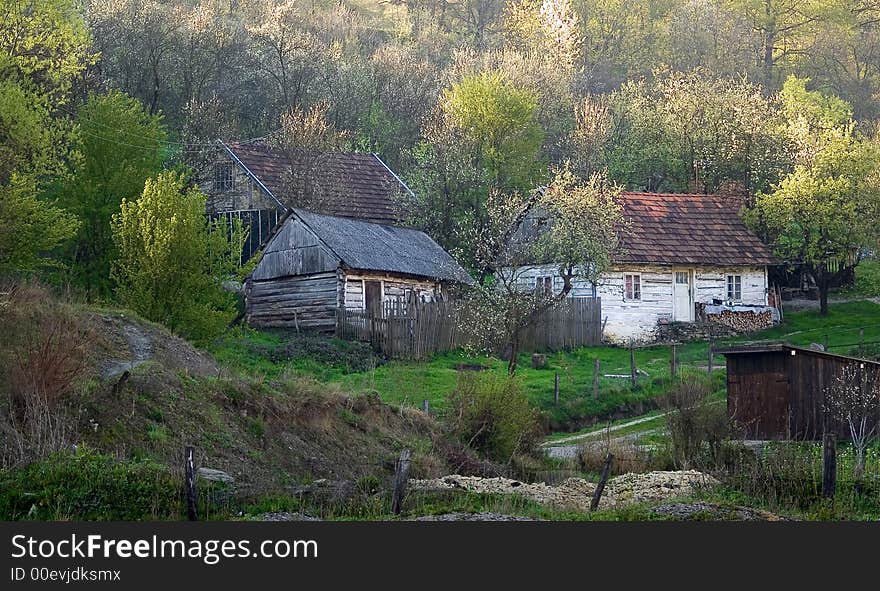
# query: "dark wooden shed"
(778, 391)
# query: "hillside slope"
(137, 391)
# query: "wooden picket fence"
(417, 330)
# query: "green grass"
(867, 283)
(410, 382)
(655, 420)
(840, 329)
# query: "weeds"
(492, 414)
(42, 357)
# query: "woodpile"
(743, 321)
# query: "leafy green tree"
(44, 48)
(171, 262)
(121, 146)
(29, 227)
(483, 139)
(826, 212)
(688, 132)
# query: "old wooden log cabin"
(314, 264)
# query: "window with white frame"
(734, 288)
(632, 283)
(544, 286)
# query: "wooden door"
(683, 296)
(373, 298)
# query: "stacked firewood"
(743, 321)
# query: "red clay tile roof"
(688, 229)
(362, 186)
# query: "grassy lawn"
(867, 283)
(398, 382)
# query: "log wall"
(305, 302)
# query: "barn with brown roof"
(680, 257)
(259, 185)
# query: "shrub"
(86, 485)
(171, 261)
(697, 427)
(628, 457)
(492, 414)
(784, 474)
(43, 353)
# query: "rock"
(539, 360)
(474, 517)
(577, 493)
(286, 516)
(215, 475)
(711, 511)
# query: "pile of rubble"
(577, 493)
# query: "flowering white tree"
(854, 398)
(569, 226)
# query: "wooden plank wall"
(417, 330)
(777, 395)
(809, 376)
(305, 302)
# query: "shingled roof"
(377, 247)
(363, 187)
(669, 228)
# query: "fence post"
(673, 362)
(556, 388)
(190, 469)
(829, 465)
(632, 366)
(595, 378)
(606, 471)
(401, 475)
(711, 353)
(861, 342)
(425, 406)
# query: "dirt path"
(140, 345)
(600, 432)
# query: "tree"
(121, 146)
(307, 138)
(29, 227)
(171, 262)
(854, 398)
(44, 48)
(785, 28)
(569, 226)
(284, 50)
(825, 213)
(483, 139)
(689, 132)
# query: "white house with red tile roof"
(680, 256)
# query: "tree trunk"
(859, 469)
(514, 353)
(823, 294)
(769, 43)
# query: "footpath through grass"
(352, 366)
